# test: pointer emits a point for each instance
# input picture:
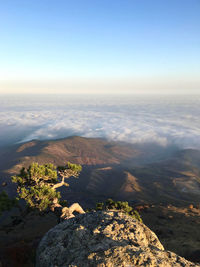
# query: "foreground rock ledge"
(104, 239)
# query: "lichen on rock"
(104, 238)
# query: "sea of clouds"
(164, 120)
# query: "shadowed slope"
(80, 150)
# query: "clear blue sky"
(94, 46)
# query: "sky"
(94, 47)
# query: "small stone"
(4, 184)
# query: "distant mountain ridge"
(85, 151)
(111, 169)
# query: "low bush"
(110, 204)
(5, 202)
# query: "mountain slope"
(85, 151)
(111, 169)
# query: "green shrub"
(5, 202)
(135, 214)
(119, 205)
(100, 206)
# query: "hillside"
(110, 169)
(84, 151)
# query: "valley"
(162, 183)
(113, 169)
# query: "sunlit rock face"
(106, 238)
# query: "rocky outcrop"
(107, 238)
(65, 213)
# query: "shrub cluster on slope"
(110, 204)
(5, 202)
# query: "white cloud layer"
(161, 119)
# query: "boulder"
(104, 238)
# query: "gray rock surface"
(107, 238)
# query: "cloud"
(164, 120)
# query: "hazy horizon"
(164, 120)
